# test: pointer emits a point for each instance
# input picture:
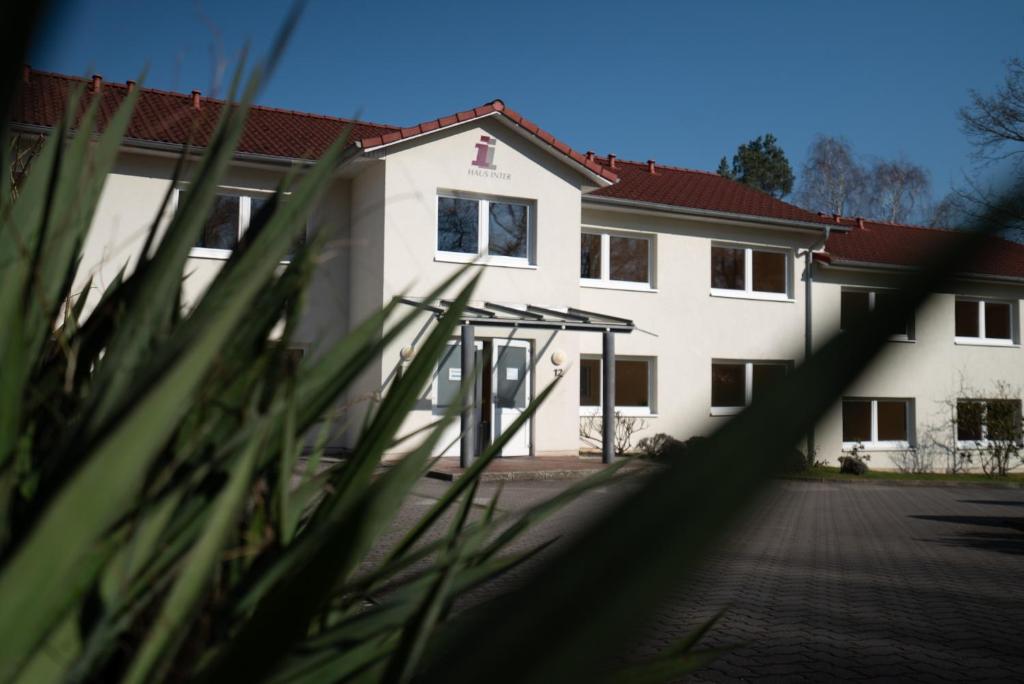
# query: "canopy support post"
(467, 448)
(608, 397)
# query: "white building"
(711, 273)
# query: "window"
(500, 231)
(981, 421)
(734, 384)
(634, 381)
(980, 321)
(616, 260)
(877, 423)
(856, 305)
(745, 271)
(229, 217)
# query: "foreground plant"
(157, 522)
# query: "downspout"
(809, 325)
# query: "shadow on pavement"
(1009, 538)
(992, 502)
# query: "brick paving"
(838, 581)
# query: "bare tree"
(896, 189)
(626, 428)
(831, 180)
(994, 124)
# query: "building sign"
(483, 165)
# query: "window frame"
(982, 339)
(606, 281)
(245, 197)
(748, 380)
(874, 444)
(649, 411)
(748, 273)
(483, 231)
(909, 336)
(984, 442)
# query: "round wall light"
(558, 358)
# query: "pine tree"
(762, 164)
(723, 168)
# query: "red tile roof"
(703, 190)
(493, 107)
(165, 117)
(897, 244)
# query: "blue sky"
(681, 82)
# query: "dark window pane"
(885, 300)
(631, 383)
(457, 225)
(1003, 419)
(508, 229)
(590, 256)
(221, 228)
(892, 421)
(968, 420)
(766, 375)
(769, 271)
(728, 384)
(856, 420)
(853, 308)
(966, 318)
(727, 270)
(628, 257)
(590, 382)
(997, 320)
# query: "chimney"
(590, 155)
(97, 81)
(860, 223)
(650, 166)
(611, 160)
(26, 73)
(131, 85)
(196, 102)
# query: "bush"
(852, 465)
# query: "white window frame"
(605, 281)
(649, 411)
(983, 443)
(874, 444)
(982, 340)
(483, 232)
(748, 379)
(748, 274)
(909, 336)
(245, 197)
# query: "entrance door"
(511, 392)
(501, 394)
(447, 391)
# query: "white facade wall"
(382, 215)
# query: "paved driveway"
(850, 581)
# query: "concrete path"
(832, 581)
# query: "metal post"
(467, 448)
(808, 335)
(608, 398)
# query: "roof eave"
(854, 265)
(178, 148)
(597, 178)
(657, 207)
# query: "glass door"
(511, 393)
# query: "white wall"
(415, 171)
(927, 370)
(683, 325)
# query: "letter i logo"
(485, 152)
